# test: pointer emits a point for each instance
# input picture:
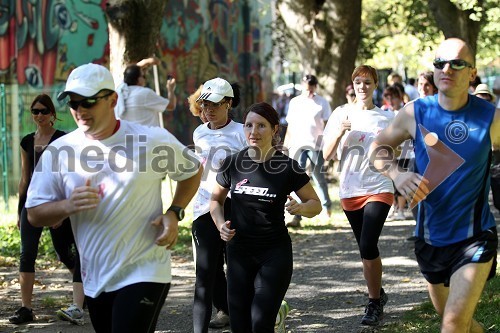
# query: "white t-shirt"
(357, 178)
(305, 118)
(140, 105)
(116, 239)
(212, 147)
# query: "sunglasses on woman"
(455, 64)
(211, 105)
(36, 112)
(86, 103)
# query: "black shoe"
(374, 314)
(383, 297)
(23, 315)
(412, 239)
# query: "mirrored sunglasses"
(455, 64)
(36, 112)
(86, 103)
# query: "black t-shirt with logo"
(258, 195)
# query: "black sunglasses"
(86, 103)
(36, 112)
(455, 64)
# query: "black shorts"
(438, 264)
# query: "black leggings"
(211, 284)
(257, 279)
(367, 224)
(62, 239)
(134, 308)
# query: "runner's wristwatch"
(179, 211)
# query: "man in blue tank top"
(453, 131)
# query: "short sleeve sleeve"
(27, 143)
(182, 162)
(327, 110)
(299, 176)
(223, 175)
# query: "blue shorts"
(438, 264)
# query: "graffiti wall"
(42, 40)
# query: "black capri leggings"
(211, 284)
(257, 280)
(132, 309)
(367, 224)
(62, 239)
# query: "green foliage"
(393, 19)
(10, 242)
(387, 24)
(184, 246)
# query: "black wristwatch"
(179, 211)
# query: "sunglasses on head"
(86, 103)
(36, 112)
(455, 64)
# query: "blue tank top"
(458, 165)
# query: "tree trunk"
(327, 35)
(134, 30)
(454, 22)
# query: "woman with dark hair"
(217, 138)
(425, 84)
(260, 179)
(365, 195)
(32, 146)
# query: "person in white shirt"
(365, 195)
(411, 90)
(306, 118)
(214, 140)
(106, 175)
(140, 104)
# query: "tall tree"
(326, 34)
(475, 21)
(134, 30)
(456, 19)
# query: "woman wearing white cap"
(214, 140)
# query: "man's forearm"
(383, 160)
(48, 214)
(172, 100)
(186, 189)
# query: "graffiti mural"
(41, 41)
(44, 39)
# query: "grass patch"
(52, 302)
(423, 318)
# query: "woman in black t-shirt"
(32, 146)
(259, 251)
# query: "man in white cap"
(106, 175)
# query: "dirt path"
(327, 293)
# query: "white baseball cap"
(87, 80)
(215, 90)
